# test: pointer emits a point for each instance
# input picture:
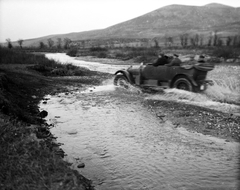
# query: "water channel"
(125, 146)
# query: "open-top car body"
(185, 77)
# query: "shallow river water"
(125, 146)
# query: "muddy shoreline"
(24, 132)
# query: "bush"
(72, 52)
(42, 64)
(20, 57)
(224, 52)
(97, 49)
(102, 55)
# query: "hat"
(201, 59)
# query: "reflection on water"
(124, 146)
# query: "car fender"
(126, 74)
(185, 76)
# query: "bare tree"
(59, 43)
(50, 42)
(229, 40)
(67, 42)
(210, 39)
(219, 42)
(156, 45)
(192, 40)
(20, 42)
(41, 45)
(196, 39)
(236, 41)
(83, 44)
(201, 39)
(215, 38)
(184, 39)
(9, 43)
(168, 41)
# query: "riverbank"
(29, 160)
(30, 156)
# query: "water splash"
(222, 94)
(198, 99)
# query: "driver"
(162, 60)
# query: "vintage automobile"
(186, 77)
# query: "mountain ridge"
(171, 20)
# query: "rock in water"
(43, 114)
(81, 165)
(72, 132)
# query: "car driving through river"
(186, 77)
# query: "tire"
(121, 80)
(183, 84)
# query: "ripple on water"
(124, 146)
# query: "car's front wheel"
(183, 84)
(121, 80)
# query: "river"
(125, 146)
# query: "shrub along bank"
(148, 55)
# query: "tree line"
(58, 44)
(214, 39)
(184, 40)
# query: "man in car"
(175, 61)
(162, 60)
(201, 59)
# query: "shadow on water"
(124, 146)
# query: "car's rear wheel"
(121, 80)
(183, 84)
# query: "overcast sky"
(25, 19)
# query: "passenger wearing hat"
(175, 61)
(201, 59)
(162, 60)
(192, 61)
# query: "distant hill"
(171, 20)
